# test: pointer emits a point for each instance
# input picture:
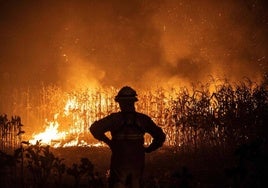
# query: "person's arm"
(100, 127)
(158, 136)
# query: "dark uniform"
(127, 129)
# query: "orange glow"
(50, 134)
(78, 107)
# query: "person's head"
(126, 98)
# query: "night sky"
(75, 43)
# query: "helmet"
(126, 93)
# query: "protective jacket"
(127, 143)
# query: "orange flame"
(55, 138)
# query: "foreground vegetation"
(42, 166)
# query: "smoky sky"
(139, 42)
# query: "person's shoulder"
(115, 114)
(142, 115)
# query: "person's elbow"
(91, 129)
(94, 131)
(162, 138)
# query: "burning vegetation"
(208, 115)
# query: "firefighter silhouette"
(127, 129)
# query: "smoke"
(141, 43)
(223, 40)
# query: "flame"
(70, 104)
(50, 134)
(74, 110)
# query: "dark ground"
(167, 167)
(164, 167)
